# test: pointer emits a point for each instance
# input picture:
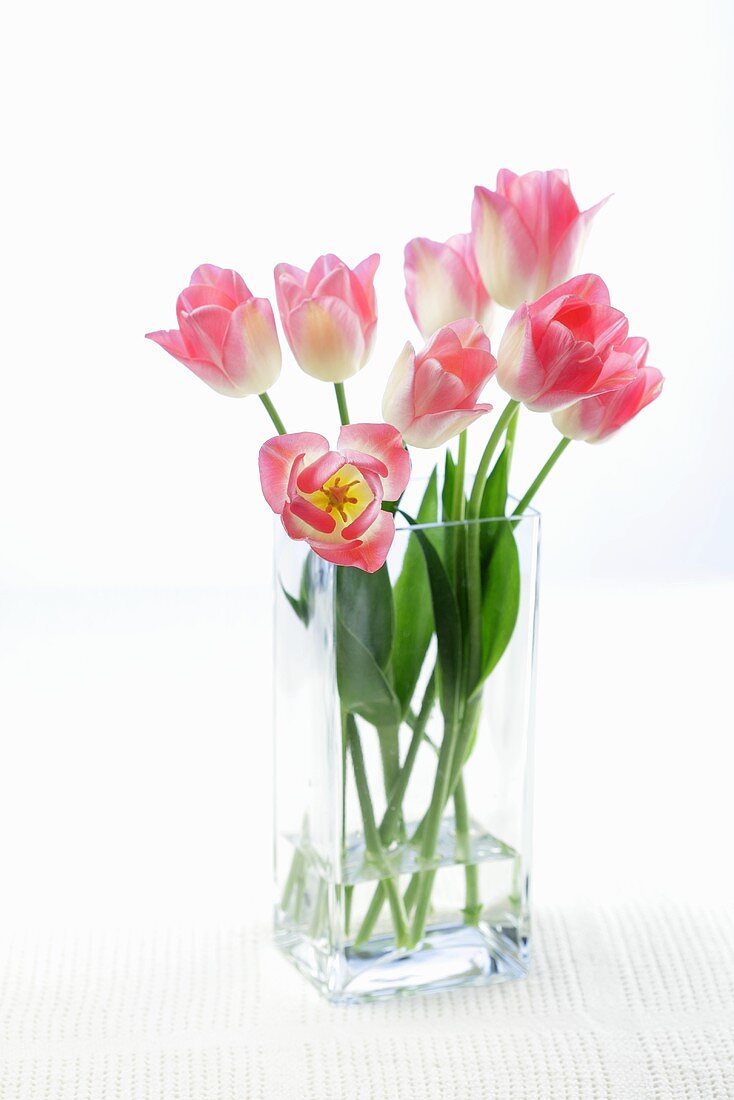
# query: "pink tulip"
(333, 499)
(596, 418)
(528, 234)
(442, 283)
(432, 396)
(329, 315)
(563, 347)
(225, 335)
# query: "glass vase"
(403, 777)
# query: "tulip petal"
(597, 418)
(368, 553)
(397, 401)
(316, 518)
(435, 429)
(277, 457)
(326, 339)
(365, 272)
(336, 282)
(313, 476)
(205, 330)
(438, 285)
(224, 279)
(289, 289)
(519, 371)
(364, 520)
(570, 245)
(505, 252)
(198, 295)
(383, 443)
(251, 354)
(546, 205)
(618, 368)
(637, 347)
(435, 388)
(173, 343)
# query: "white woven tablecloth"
(629, 1003)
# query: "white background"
(143, 139)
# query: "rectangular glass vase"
(402, 799)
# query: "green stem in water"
(391, 816)
(509, 411)
(432, 823)
(472, 905)
(541, 476)
(341, 400)
(371, 833)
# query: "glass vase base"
(447, 957)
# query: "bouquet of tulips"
(565, 351)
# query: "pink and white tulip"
(564, 347)
(596, 418)
(225, 336)
(443, 284)
(329, 315)
(528, 234)
(333, 499)
(432, 396)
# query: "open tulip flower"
(329, 315)
(596, 418)
(442, 283)
(432, 396)
(528, 234)
(563, 347)
(225, 336)
(333, 499)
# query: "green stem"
(397, 793)
(457, 509)
(457, 762)
(510, 440)
(391, 816)
(432, 823)
(472, 905)
(507, 414)
(541, 476)
(371, 833)
(341, 400)
(454, 534)
(273, 414)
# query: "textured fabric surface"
(633, 1003)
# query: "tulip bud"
(329, 315)
(596, 418)
(442, 283)
(225, 335)
(528, 234)
(432, 396)
(562, 347)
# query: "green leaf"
(364, 603)
(363, 687)
(448, 625)
(365, 629)
(500, 596)
(494, 501)
(413, 609)
(302, 604)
